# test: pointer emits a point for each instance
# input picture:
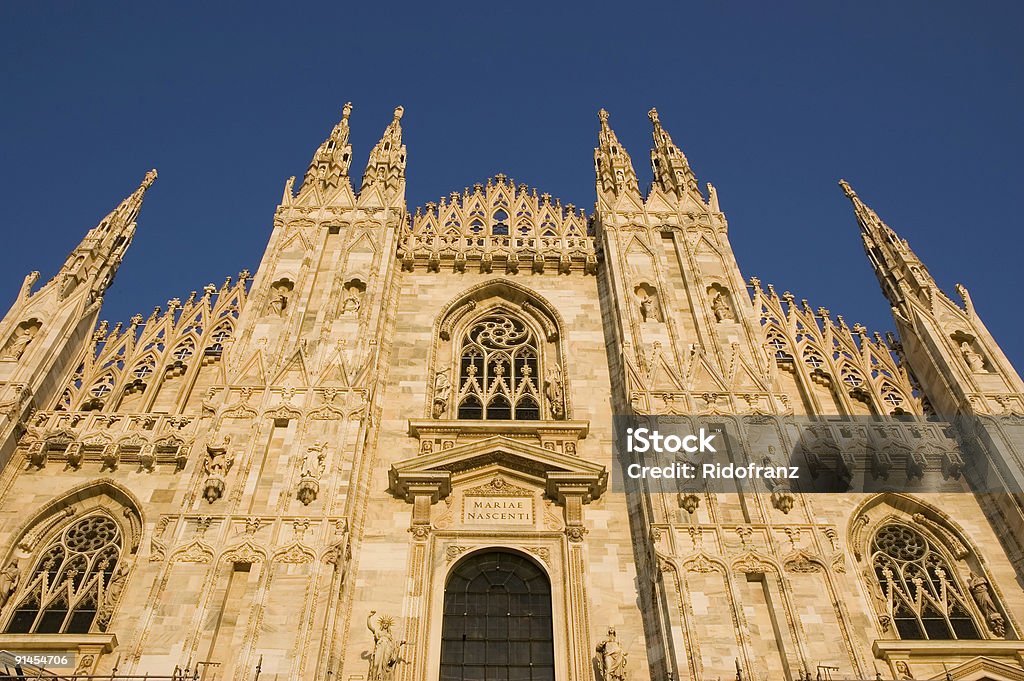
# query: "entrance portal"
(497, 620)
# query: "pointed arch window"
(892, 397)
(183, 352)
(219, 337)
(74, 576)
(923, 594)
(498, 370)
(144, 370)
(852, 379)
(813, 360)
(102, 388)
(499, 225)
(779, 348)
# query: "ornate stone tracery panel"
(498, 355)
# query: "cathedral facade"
(394, 452)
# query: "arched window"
(498, 370)
(74, 579)
(499, 225)
(497, 620)
(923, 593)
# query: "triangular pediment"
(547, 467)
(980, 669)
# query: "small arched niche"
(647, 299)
(353, 290)
(721, 302)
(20, 339)
(280, 296)
(970, 351)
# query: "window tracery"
(923, 596)
(499, 368)
(75, 581)
(218, 339)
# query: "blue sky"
(917, 104)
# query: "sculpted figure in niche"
(353, 296)
(554, 390)
(720, 306)
(85, 666)
(218, 460)
(648, 297)
(612, 657)
(313, 463)
(979, 589)
(442, 390)
(973, 359)
(19, 342)
(279, 297)
(648, 311)
(386, 653)
(112, 596)
(9, 578)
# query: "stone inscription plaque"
(497, 511)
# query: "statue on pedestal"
(612, 657)
(386, 653)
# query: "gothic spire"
(102, 249)
(612, 163)
(671, 170)
(331, 161)
(386, 167)
(897, 267)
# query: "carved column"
(423, 494)
(572, 495)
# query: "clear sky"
(917, 104)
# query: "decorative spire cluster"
(332, 159)
(672, 171)
(612, 164)
(386, 167)
(900, 272)
(102, 249)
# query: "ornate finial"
(346, 111)
(399, 111)
(847, 189)
(150, 177)
(603, 115)
(653, 115)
